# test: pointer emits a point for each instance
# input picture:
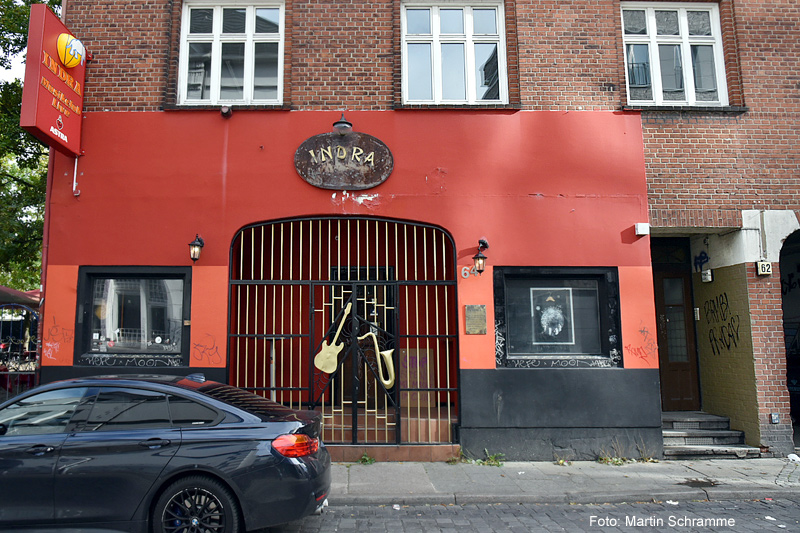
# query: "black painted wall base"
(572, 444)
(56, 373)
(546, 414)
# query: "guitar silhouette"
(328, 357)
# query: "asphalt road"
(694, 516)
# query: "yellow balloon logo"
(70, 50)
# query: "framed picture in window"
(551, 309)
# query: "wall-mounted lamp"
(226, 111)
(641, 228)
(342, 126)
(195, 246)
(479, 259)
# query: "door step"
(698, 435)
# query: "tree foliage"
(23, 164)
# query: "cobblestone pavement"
(700, 516)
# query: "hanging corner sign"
(353, 161)
(52, 96)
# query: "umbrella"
(12, 296)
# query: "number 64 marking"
(466, 272)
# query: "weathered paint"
(546, 188)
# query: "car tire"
(196, 504)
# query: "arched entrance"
(790, 297)
(354, 317)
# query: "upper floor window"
(454, 53)
(231, 54)
(673, 54)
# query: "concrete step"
(701, 437)
(711, 452)
(693, 420)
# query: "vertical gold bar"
(274, 313)
(447, 346)
(239, 318)
(281, 253)
(267, 351)
(291, 312)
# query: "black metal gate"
(353, 317)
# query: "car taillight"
(295, 445)
(3, 346)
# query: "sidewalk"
(584, 482)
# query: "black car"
(157, 453)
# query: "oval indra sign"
(344, 162)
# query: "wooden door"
(680, 389)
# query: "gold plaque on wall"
(475, 319)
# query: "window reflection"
(48, 412)
(132, 315)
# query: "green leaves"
(23, 162)
(14, 16)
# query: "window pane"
(418, 21)
(48, 412)
(487, 72)
(123, 409)
(454, 85)
(198, 81)
(186, 413)
(676, 335)
(233, 20)
(232, 75)
(699, 22)
(705, 78)
(137, 316)
(451, 21)
(635, 22)
(639, 72)
(673, 291)
(555, 317)
(268, 20)
(420, 80)
(265, 84)
(484, 21)
(671, 72)
(201, 21)
(667, 23)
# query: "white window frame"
(436, 39)
(686, 41)
(216, 38)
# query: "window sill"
(731, 110)
(234, 107)
(483, 107)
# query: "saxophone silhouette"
(386, 355)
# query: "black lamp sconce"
(342, 126)
(195, 247)
(479, 259)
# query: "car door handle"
(40, 449)
(154, 443)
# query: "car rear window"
(248, 401)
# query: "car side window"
(44, 413)
(188, 413)
(123, 409)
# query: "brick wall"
(769, 353)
